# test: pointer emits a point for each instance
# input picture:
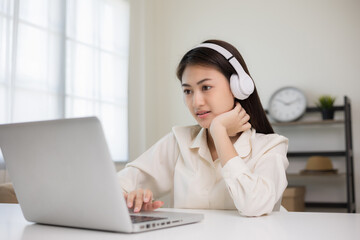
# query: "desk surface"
(217, 225)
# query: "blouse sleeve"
(256, 190)
(153, 170)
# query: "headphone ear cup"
(235, 87)
(241, 88)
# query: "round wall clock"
(287, 104)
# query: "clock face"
(287, 104)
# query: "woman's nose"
(198, 99)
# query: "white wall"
(313, 45)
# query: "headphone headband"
(241, 84)
(217, 48)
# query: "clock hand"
(281, 101)
(291, 102)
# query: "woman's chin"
(204, 124)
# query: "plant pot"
(327, 113)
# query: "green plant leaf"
(325, 102)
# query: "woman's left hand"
(233, 121)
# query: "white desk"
(219, 225)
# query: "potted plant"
(326, 105)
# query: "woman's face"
(206, 93)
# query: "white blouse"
(180, 164)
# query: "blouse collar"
(242, 144)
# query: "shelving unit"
(347, 154)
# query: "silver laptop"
(63, 175)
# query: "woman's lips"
(202, 114)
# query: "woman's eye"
(205, 88)
(187, 91)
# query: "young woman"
(231, 160)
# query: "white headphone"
(241, 84)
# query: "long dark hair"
(209, 57)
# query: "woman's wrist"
(222, 142)
(216, 128)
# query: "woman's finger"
(151, 206)
(245, 119)
(130, 199)
(146, 207)
(139, 200)
(157, 204)
(242, 113)
(246, 126)
(148, 196)
(237, 107)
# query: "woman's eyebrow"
(198, 83)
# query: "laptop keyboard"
(137, 218)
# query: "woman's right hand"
(141, 200)
(233, 121)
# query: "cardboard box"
(294, 199)
(7, 193)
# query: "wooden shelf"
(314, 122)
(296, 175)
